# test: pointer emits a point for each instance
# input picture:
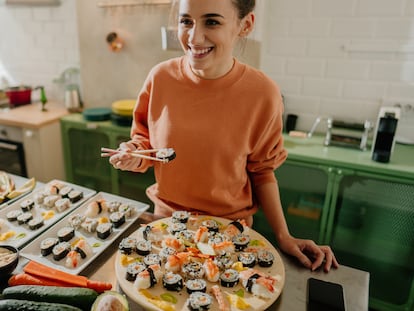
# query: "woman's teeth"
(200, 51)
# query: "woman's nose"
(196, 35)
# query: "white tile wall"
(330, 57)
(37, 44)
(340, 58)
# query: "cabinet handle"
(339, 172)
(8, 146)
(29, 133)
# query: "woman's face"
(208, 32)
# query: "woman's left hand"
(309, 253)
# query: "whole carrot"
(28, 279)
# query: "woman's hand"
(123, 160)
(310, 254)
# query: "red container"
(19, 95)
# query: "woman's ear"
(247, 24)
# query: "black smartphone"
(325, 296)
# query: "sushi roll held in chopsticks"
(167, 154)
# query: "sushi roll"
(104, 230)
(152, 234)
(75, 220)
(54, 188)
(60, 250)
(236, 227)
(39, 197)
(211, 225)
(166, 154)
(113, 206)
(65, 234)
(223, 262)
(216, 238)
(229, 278)
(152, 259)
(248, 259)
(62, 204)
(89, 225)
(241, 241)
(13, 215)
(75, 196)
(35, 223)
(176, 227)
(257, 283)
(198, 301)
(133, 269)
(165, 252)
(186, 236)
(83, 248)
(201, 235)
(196, 285)
(96, 208)
(64, 192)
(24, 218)
(143, 247)
(180, 216)
(72, 259)
(172, 281)
(50, 200)
(126, 209)
(212, 272)
(127, 245)
(148, 277)
(265, 258)
(27, 205)
(117, 219)
(174, 243)
(193, 270)
(47, 245)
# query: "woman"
(223, 119)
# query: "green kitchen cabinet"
(82, 142)
(363, 209)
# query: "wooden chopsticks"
(108, 152)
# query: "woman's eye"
(212, 22)
(186, 21)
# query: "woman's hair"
(244, 7)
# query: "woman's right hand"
(123, 160)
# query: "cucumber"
(27, 305)
(80, 297)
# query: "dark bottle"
(384, 139)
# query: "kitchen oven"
(12, 158)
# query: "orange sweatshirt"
(227, 135)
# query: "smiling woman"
(223, 118)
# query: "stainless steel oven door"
(12, 157)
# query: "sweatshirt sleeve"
(139, 129)
(268, 152)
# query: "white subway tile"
(401, 90)
(353, 27)
(42, 14)
(288, 85)
(53, 28)
(364, 90)
(318, 27)
(290, 47)
(350, 110)
(305, 67)
(278, 27)
(330, 48)
(332, 8)
(393, 71)
(294, 8)
(395, 28)
(273, 64)
(347, 69)
(386, 8)
(299, 104)
(321, 87)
